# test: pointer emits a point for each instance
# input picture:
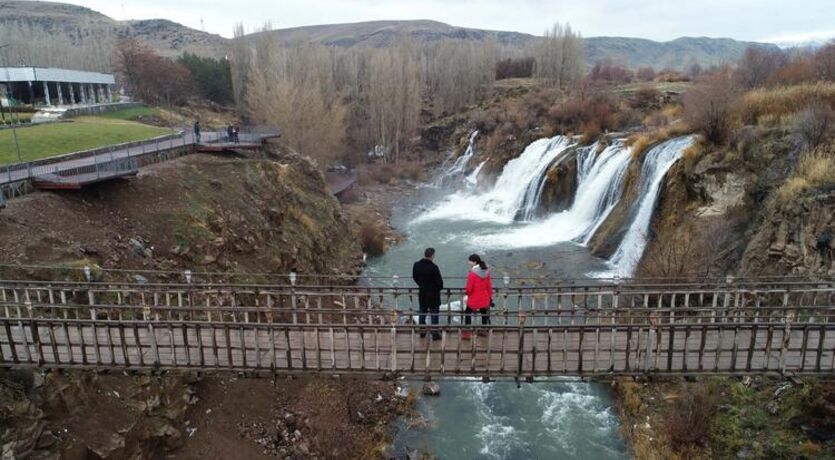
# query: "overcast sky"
(758, 20)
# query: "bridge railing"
(599, 329)
(591, 304)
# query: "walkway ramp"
(76, 178)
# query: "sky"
(755, 20)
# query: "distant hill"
(49, 33)
(676, 54)
(40, 32)
(384, 33)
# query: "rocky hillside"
(675, 54)
(37, 29)
(384, 33)
(38, 32)
(199, 212)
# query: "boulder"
(431, 389)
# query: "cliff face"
(795, 238)
(199, 212)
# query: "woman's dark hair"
(475, 258)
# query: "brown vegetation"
(690, 417)
(152, 78)
(708, 107)
(372, 238)
(814, 170)
(784, 100)
(342, 102)
(814, 125)
(515, 68)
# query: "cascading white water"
(600, 182)
(507, 197)
(459, 166)
(656, 163)
(600, 186)
(471, 181)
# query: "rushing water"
(561, 419)
(473, 420)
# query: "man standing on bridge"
(197, 131)
(430, 283)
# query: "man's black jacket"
(428, 278)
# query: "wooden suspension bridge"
(594, 329)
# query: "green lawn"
(678, 86)
(23, 117)
(131, 113)
(83, 133)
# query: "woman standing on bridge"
(479, 293)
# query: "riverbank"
(77, 415)
(725, 417)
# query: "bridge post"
(521, 351)
(393, 343)
(785, 342)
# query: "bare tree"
(757, 66)
(394, 96)
(559, 57)
(240, 54)
(291, 88)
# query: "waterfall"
(600, 186)
(517, 193)
(656, 163)
(513, 191)
(459, 166)
(471, 181)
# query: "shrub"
(671, 76)
(608, 71)
(598, 109)
(689, 419)
(813, 125)
(372, 238)
(646, 97)
(645, 74)
(708, 107)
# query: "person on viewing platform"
(197, 131)
(428, 277)
(479, 291)
(229, 133)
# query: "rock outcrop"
(795, 238)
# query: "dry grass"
(639, 143)
(692, 154)
(762, 105)
(814, 170)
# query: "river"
(470, 420)
(499, 221)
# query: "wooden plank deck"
(399, 350)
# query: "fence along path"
(536, 332)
